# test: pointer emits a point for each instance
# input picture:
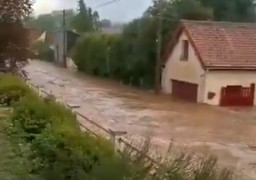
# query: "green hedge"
(98, 54)
(111, 56)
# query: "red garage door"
(237, 96)
(184, 90)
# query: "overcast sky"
(122, 10)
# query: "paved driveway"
(228, 133)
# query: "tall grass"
(174, 165)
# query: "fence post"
(114, 135)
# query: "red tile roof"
(221, 45)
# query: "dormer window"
(184, 51)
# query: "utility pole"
(108, 59)
(159, 48)
(64, 39)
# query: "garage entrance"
(185, 90)
(237, 95)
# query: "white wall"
(58, 41)
(188, 71)
(71, 64)
(217, 79)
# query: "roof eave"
(230, 68)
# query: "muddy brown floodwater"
(228, 133)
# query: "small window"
(184, 53)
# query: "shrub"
(30, 116)
(43, 51)
(111, 56)
(55, 145)
(12, 89)
(67, 154)
(99, 54)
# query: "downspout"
(203, 94)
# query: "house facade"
(62, 46)
(212, 62)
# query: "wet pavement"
(228, 133)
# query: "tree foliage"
(86, 19)
(105, 23)
(105, 50)
(51, 21)
(14, 10)
(232, 10)
(13, 36)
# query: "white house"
(212, 62)
(62, 47)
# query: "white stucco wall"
(58, 47)
(189, 71)
(71, 64)
(217, 79)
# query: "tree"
(15, 10)
(192, 9)
(51, 21)
(81, 21)
(86, 20)
(45, 22)
(105, 23)
(96, 21)
(231, 10)
(14, 41)
(139, 36)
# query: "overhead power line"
(106, 3)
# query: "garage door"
(184, 90)
(237, 95)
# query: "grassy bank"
(11, 163)
(48, 144)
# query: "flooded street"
(230, 134)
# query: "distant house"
(212, 62)
(46, 37)
(33, 34)
(62, 47)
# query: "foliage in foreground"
(51, 145)
(14, 39)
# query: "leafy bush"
(116, 56)
(52, 140)
(99, 54)
(30, 116)
(43, 51)
(67, 154)
(11, 89)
